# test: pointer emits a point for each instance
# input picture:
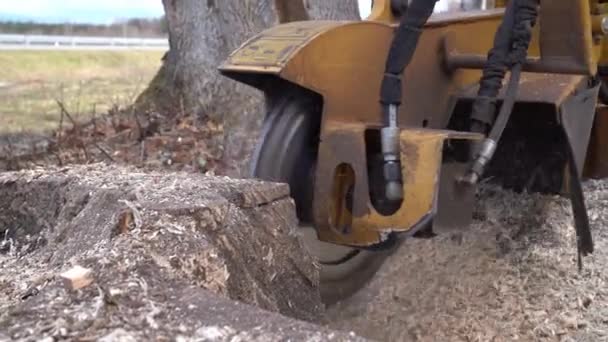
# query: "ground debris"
(512, 276)
(178, 143)
(189, 253)
(77, 277)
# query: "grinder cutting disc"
(287, 153)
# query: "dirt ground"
(512, 276)
(166, 254)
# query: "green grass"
(87, 82)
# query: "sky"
(76, 11)
(92, 11)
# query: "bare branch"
(60, 131)
(143, 151)
(104, 152)
(57, 154)
(65, 111)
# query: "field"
(86, 82)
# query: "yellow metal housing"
(344, 63)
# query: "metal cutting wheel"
(287, 153)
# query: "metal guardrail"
(50, 41)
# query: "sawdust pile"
(94, 252)
(511, 276)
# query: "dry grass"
(87, 82)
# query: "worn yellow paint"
(421, 153)
(344, 63)
(382, 11)
(271, 50)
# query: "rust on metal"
(421, 156)
(596, 165)
(455, 60)
(344, 63)
(270, 50)
(572, 43)
(547, 88)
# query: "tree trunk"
(202, 33)
(333, 10)
(153, 244)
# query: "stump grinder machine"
(383, 127)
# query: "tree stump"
(165, 254)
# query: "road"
(46, 42)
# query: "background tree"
(202, 33)
(333, 10)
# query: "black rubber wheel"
(287, 153)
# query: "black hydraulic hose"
(343, 259)
(484, 106)
(524, 13)
(488, 146)
(402, 49)
(522, 34)
(525, 18)
(399, 57)
(507, 106)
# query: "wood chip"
(77, 277)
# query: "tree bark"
(202, 33)
(170, 231)
(288, 11)
(333, 10)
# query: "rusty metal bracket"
(577, 115)
(342, 171)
